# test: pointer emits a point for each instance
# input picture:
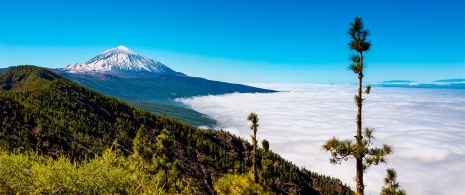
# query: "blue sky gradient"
(243, 41)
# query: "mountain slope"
(47, 113)
(157, 94)
(122, 62)
(161, 88)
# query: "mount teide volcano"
(121, 61)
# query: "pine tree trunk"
(359, 177)
(358, 137)
(254, 160)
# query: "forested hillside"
(46, 113)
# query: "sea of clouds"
(426, 127)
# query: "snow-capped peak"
(121, 61)
(121, 47)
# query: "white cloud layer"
(425, 126)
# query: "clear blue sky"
(243, 41)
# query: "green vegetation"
(391, 186)
(254, 119)
(110, 173)
(45, 112)
(362, 151)
(238, 184)
(68, 127)
(177, 112)
(266, 164)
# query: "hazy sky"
(243, 41)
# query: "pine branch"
(340, 150)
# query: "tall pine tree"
(364, 154)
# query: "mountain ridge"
(457, 80)
(160, 87)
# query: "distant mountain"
(459, 80)
(438, 84)
(45, 113)
(398, 81)
(121, 61)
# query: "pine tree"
(164, 156)
(344, 149)
(142, 146)
(266, 164)
(391, 186)
(254, 119)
